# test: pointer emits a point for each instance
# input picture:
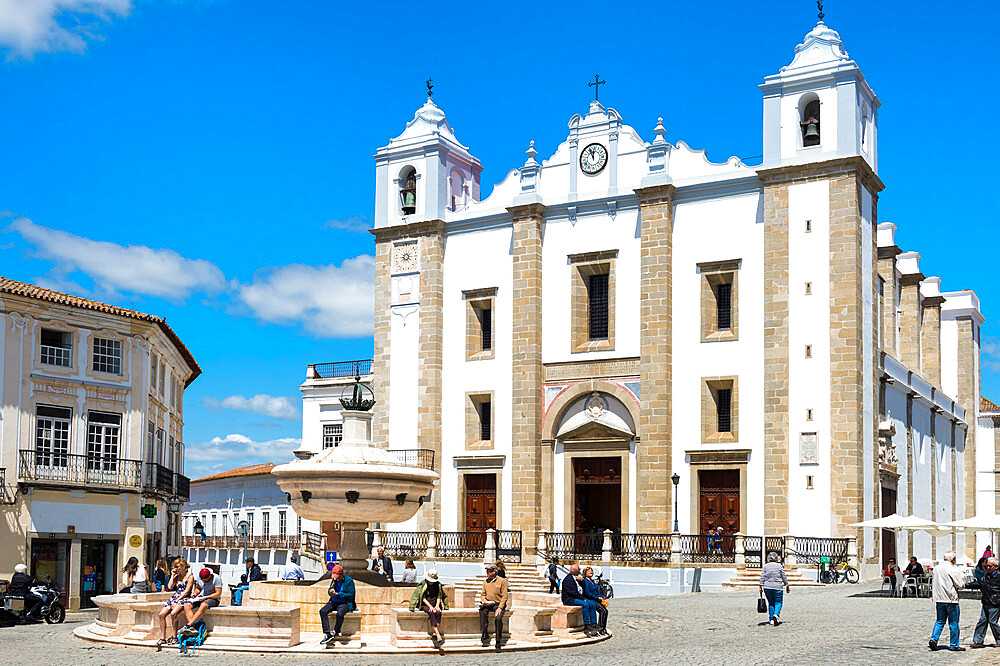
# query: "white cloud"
(133, 268)
(235, 450)
(358, 224)
(991, 352)
(277, 407)
(328, 301)
(33, 26)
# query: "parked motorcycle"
(51, 611)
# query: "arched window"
(810, 121)
(456, 184)
(408, 190)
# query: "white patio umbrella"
(978, 523)
(896, 522)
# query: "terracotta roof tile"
(249, 470)
(987, 405)
(8, 286)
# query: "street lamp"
(676, 478)
(173, 505)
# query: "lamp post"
(676, 479)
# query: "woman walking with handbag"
(773, 585)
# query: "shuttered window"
(597, 306)
(724, 397)
(724, 306)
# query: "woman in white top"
(409, 572)
(136, 576)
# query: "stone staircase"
(750, 578)
(520, 578)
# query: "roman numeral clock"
(593, 158)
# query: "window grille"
(103, 435)
(724, 408)
(597, 294)
(333, 433)
(486, 326)
(723, 303)
(52, 436)
(108, 356)
(485, 419)
(57, 348)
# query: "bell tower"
(819, 107)
(424, 173)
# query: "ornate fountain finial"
(361, 400)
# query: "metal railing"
(182, 486)
(508, 543)
(810, 550)
(159, 478)
(708, 548)
(574, 546)
(415, 457)
(107, 471)
(273, 542)
(404, 544)
(461, 544)
(640, 547)
(6, 496)
(314, 545)
(756, 549)
(341, 369)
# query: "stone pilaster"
(655, 450)
(968, 396)
(887, 271)
(526, 371)
(430, 320)
(930, 340)
(909, 320)
(996, 463)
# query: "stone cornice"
(889, 252)
(526, 211)
(655, 194)
(718, 456)
(933, 301)
(817, 170)
(412, 230)
(911, 279)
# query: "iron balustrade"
(404, 544)
(159, 478)
(182, 486)
(708, 548)
(756, 549)
(314, 544)
(508, 544)
(342, 369)
(461, 544)
(811, 550)
(414, 457)
(640, 547)
(88, 470)
(574, 546)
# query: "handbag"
(761, 604)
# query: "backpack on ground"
(192, 642)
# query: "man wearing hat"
(341, 602)
(494, 602)
(253, 573)
(209, 586)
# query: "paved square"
(837, 624)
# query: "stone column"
(776, 288)
(968, 396)
(790, 554)
(887, 271)
(490, 551)
(539, 549)
(740, 558)
(526, 370)
(606, 547)
(930, 340)
(675, 548)
(432, 544)
(654, 452)
(909, 320)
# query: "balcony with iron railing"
(414, 457)
(273, 542)
(339, 369)
(66, 469)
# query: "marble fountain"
(356, 484)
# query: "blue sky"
(211, 161)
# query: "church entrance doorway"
(888, 536)
(597, 494)
(719, 502)
(480, 502)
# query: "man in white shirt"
(945, 584)
(292, 570)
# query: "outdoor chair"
(925, 586)
(899, 583)
(910, 584)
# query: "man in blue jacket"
(572, 595)
(341, 602)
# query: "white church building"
(625, 325)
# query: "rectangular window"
(107, 356)
(213, 533)
(103, 436)
(809, 415)
(597, 306)
(160, 440)
(265, 524)
(225, 529)
(153, 364)
(723, 403)
(163, 376)
(809, 482)
(150, 440)
(479, 421)
(809, 288)
(809, 226)
(170, 452)
(57, 348)
(486, 325)
(333, 433)
(479, 323)
(485, 420)
(723, 305)
(809, 351)
(52, 436)
(282, 523)
(250, 521)
(719, 300)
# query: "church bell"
(408, 196)
(811, 135)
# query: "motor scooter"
(51, 611)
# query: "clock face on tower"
(593, 158)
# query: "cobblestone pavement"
(837, 624)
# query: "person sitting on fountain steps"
(431, 598)
(209, 586)
(341, 602)
(494, 601)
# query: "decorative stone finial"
(531, 152)
(660, 132)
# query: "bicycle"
(840, 573)
(604, 587)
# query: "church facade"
(625, 327)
